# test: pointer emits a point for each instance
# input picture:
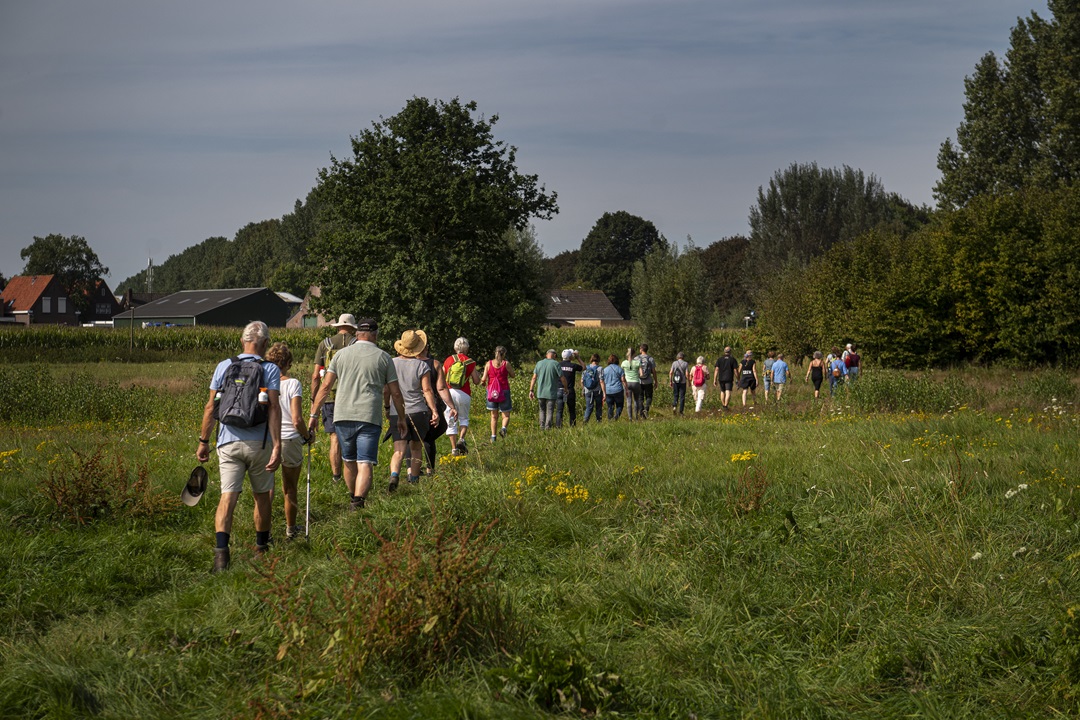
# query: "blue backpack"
(590, 377)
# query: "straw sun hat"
(411, 344)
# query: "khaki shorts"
(248, 457)
(292, 451)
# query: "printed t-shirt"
(230, 433)
(726, 365)
(362, 371)
(568, 368)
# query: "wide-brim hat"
(346, 320)
(195, 488)
(411, 344)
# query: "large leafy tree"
(427, 225)
(806, 210)
(561, 270)
(723, 260)
(70, 258)
(1021, 116)
(668, 299)
(608, 253)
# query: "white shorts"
(463, 401)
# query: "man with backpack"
(343, 338)
(593, 385)
(646, 375)
(460, 371)
(244, 401)
(677, 375)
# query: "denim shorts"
(504, 406)
(359, 441)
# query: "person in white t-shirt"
(294, 434)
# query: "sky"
(148, 127)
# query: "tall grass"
(898, 551)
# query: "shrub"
(93, 486)
(413, 604)
(560, 682)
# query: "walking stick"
(307, 500)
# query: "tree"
(1021, 117)
(561, 270)
(427, 225)
(668, 299)
(70, 259)
(806, 210)
(608, 253)
(723, 261)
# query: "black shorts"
(418, 425)
(748, 383)
(727, 385)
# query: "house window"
(46, 305)
(103, 309)
(61, 305)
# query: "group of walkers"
(256, 405)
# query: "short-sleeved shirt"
(362, 371)
(726, 365)
(642, 360)
(547, 379)
(229, 433)
(470, 366)
(768, 367)
(680, 369)
(335, 342)
(568, 368)
(779, 372)
(631, 367)
(410, 378)
(289, 389)
(613, 376)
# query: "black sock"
(222, 540)
(262, 537)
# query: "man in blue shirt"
(779, 375)
(254, 451)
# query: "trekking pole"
(307, 500)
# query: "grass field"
(908, 549)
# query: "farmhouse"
(304, 315)
(581, 308)
(233, 307)
(101, 304)
(37, 300)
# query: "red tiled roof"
(22, 291)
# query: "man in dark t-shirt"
(724, 375)
(569, 367)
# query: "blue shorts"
(505, 406)
(359, 441)
(328, 417)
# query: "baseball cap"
(368, 324)
(196, 486)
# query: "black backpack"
(239, 405)
(645, 371)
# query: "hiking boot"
(260, 551)
(221, 559)
(502, 432)
(456, 452)
(356, 504)
(392, 487)
(462, 448)
(413, 479)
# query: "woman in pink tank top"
(496, 379)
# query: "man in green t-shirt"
(547, 378)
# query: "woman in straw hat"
(421, 413)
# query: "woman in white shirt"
(294, 434)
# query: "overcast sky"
(148, 127)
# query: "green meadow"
(907, 548)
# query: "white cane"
(307, 499)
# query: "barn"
(231, 307)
